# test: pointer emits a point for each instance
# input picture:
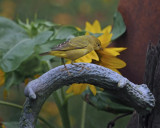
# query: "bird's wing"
(75, 43)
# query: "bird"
(75, 48)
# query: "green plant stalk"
(20, 107)
(63, 110)
(11, 104)
(62, 94)
(62, 90)
(62, 105)
(45, 122)
(83, 117)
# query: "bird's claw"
(81, 67)
(65, 69)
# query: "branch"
(38, 90)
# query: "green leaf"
(16, 55)
(102, 101)
(80, 33)
(42, 37)
(21, 51)
(66, 32)
(47, 47)
(10, 80)
(50, 44)
(96, 34)
(32, 66)
(119, 26)
(35, 27)
(10, 34)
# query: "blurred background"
(67, 12)
(70, 12)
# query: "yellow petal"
(97, 27)
(76, 89)
(26, 81)
(5, 94)
(70, 89)
(105, 39)
(3, 126)
(68, 62)
(79, 29)
(108, 29)
(101, 89)
(83, 87)
(88, 58)
(112, 62)
(87, 33)
(107, 51)
(93, 89)
(2, 77)
(89, 27)
(120, 49)
(37, 76)
(111, 51)
(94, 55)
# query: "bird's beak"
(101, 48)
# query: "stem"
(11, 104)
(62, 106)
(45, 122)
(67, 97)
(49, 64)
(62, 94)
(112, 123)
(84, 108)
(20, 107)
(63, 110)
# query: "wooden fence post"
(142, 18)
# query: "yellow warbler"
(75, 47)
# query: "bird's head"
(97, 44)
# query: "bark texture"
(152, 79)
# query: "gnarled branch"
(38, 90)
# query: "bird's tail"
(45, 53)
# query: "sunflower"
(2, 77)
(106, 57)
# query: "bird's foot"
(65, 69)
(83, 67)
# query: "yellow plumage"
(75, 48)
